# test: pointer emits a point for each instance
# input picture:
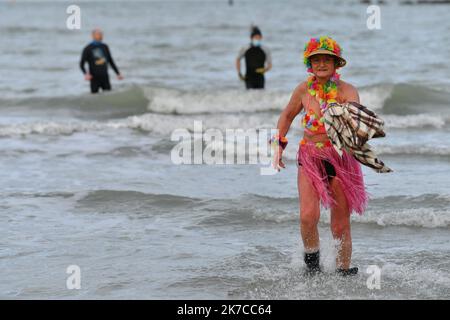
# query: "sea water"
(88, 181)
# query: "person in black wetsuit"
(98, 56)
(258, 60)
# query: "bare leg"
(309, 213)
(340, 225)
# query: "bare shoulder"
(301, 88)
(295, 103)
(299, 92)
(348, 91)
(347, 87)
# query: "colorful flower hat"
(323, 45)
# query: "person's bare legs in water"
(309, 219)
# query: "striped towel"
(349, 126)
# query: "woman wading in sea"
(323, 175)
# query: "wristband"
(281, 141)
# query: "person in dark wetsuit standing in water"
(258, 60)
(98, 56)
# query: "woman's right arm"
(292, 109)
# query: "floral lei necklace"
(324, 94)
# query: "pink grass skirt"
(348, 172)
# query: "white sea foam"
(415, 121)
(420, 217)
